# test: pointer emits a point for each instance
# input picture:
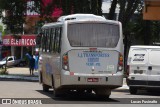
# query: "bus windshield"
(93, 35)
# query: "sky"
(106, 4)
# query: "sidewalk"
(19, 73)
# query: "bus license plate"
(92, 79)
(138, 71)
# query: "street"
(18, 89)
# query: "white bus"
(83, 53)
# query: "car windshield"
(4, 59)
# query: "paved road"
(17, 89)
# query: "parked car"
(12, 61)
(143, 68)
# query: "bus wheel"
(132, 90)
(40, 77)
(80, 91)
(103, 93)
(89, 91)
(45, 87)
(58, 93)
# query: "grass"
(3, 72)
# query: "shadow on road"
(86, 98)
(121, 90)
(76, 98)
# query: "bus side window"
(43, 40)
(59, 41)
(54, 40)
(50, 40)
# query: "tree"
(146, 31)
(155, 31)
(46, 9)
(15, 10)
(127, 9)
(112, 9)
(82, 6)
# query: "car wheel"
(103, 93)
(132, 90)
(3, 66)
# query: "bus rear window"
(93, 35)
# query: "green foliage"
(127, 9)
(3, 72)
(155, 31)
(3, 33)
(126, 12)
(15, 10)
(1, 28)
(82, 6)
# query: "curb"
(19, 78)
(124, 87)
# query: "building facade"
(24, 43)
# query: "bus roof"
(51, 24)
(79, 17)
(144, 46)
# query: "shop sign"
(25, 40)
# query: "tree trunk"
(6, 65)
(112, 10)
(147, 37)
(99, 5)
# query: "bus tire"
(103, 93)
(89, 91)
(40, 77)
(58, 93)
(45, 88)
(80, 91)
(132, 90)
